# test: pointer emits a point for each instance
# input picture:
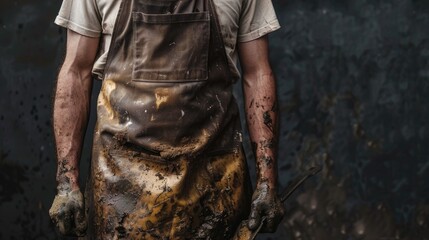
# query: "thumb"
(254, 219)
(65, 222)
(80, 221)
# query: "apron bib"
(167, 160)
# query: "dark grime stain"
(270, 143)
(251, 103)
(267, 120)
(275, 107)
(159, 175)
(267, 161)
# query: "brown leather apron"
(167, 160)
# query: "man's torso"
(240, 21)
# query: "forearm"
(70, 118)
(261, 113)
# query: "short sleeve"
(257, 19)
(81, 16)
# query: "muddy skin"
(270, 143)
(267, 120)
(263, 164)
(68, 213)
(266, 161)
(265, 202)
(265, 145)
(64, 179)
(251, 103)
(274, 108)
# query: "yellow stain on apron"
(161, 96)
(104, 100)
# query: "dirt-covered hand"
(265, 204)
(68, 213)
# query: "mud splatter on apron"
(167, 160)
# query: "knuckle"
(271, 226)
(255, 209)
(52, 214)
(54, 218)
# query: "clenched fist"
(68, 213)
(265, 205)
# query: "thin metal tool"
(298, 181)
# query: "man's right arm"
(70, 119)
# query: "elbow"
(76, 72)
(259, 76)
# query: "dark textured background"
(353, 82)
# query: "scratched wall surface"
(353, 81)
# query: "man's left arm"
(259, 88)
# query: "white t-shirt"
(240, 20)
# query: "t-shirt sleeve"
(81, 16)
(257, 19)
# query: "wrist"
(266, 171)
(67, 182)
(67, 176)
(268, 183)
(64, 188)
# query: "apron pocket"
(171, 47)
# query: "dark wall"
(353, 86)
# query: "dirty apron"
(167, 160)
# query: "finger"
(80, 221)
(55, 209)
(53, 215)
(56, 216)
(270, 224)
(65, 223)
(254, 219)
(273, 219)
